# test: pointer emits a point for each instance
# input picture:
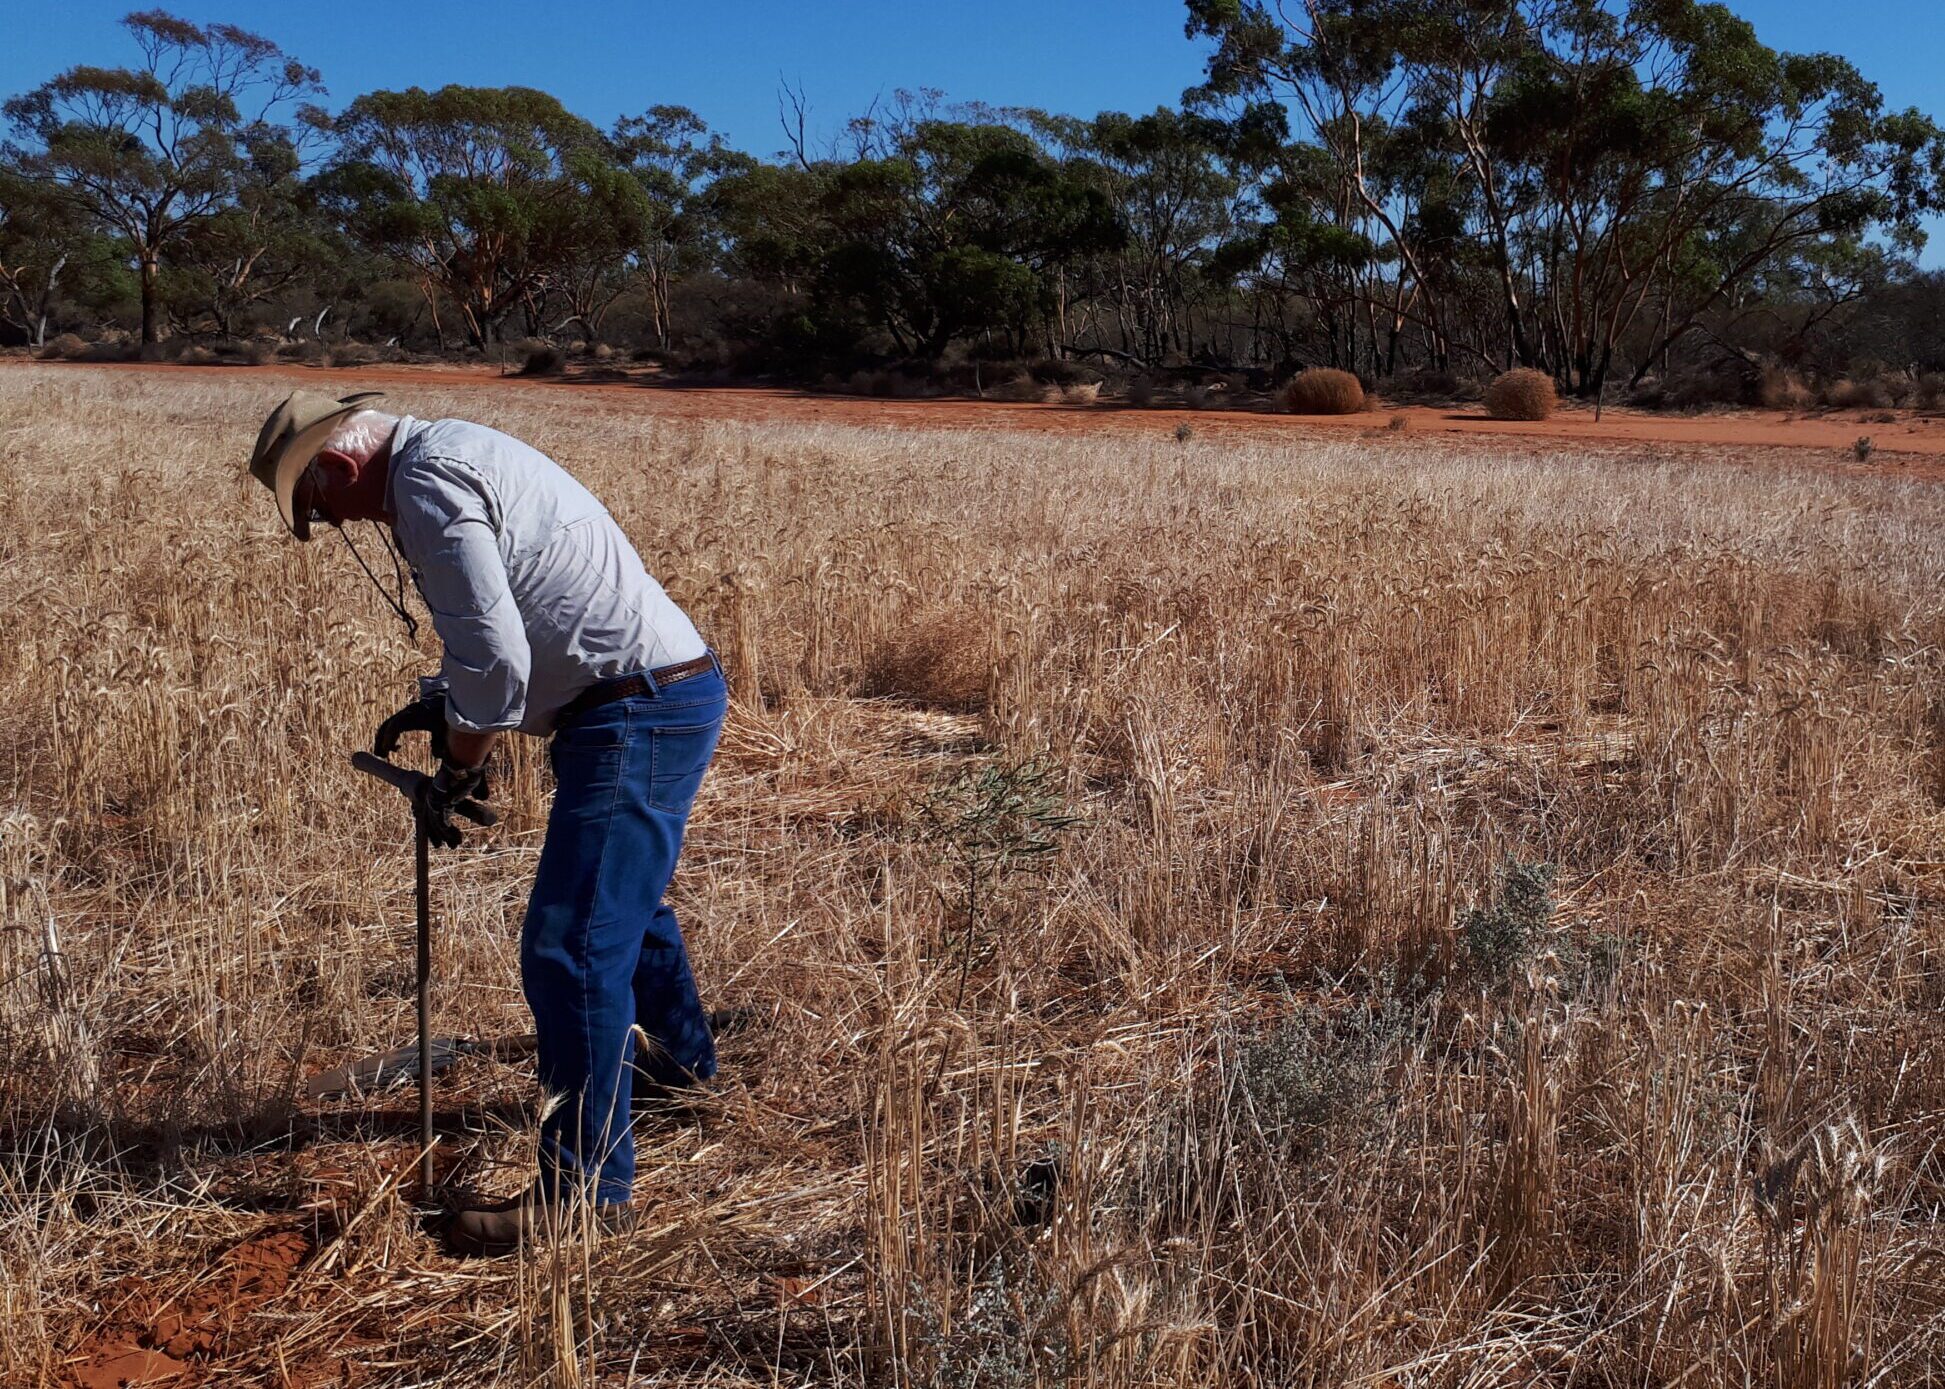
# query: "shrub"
(602, 352)
(545, 360)
(1141, 393)
(1323, 391)
(1399, 423)
(1053, 371)
(1863, 448)
(1846, 394)
(196, 355)
(1432, 383)
(1501, 936)
(1081, 392)
(110, 350)
(1521, 394)
(1930, 394)
(1784, 390)
(1184, 432)
(65, 347)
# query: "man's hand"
(451, 790)
(426, 714)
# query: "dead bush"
(545, 360)
(1053, 371)
(1427, 383)
(110, 350)
(1141, 393)
(1521, 394)
(1081, 392)
(63, 348)
(1846, 394)
(937, 659)
(1323, 391)
(1023, 389)
(1783, 389)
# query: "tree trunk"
(151, 298)
(47, 299)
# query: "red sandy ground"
(1912, 445)
(155, 1336)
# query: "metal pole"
(423, 852)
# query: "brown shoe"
(492, 1231)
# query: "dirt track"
(1912, 445)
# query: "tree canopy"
(1590, 187)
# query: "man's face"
(316, 499)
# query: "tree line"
(1606, 190)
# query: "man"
(550, 626)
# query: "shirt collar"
(403, 433)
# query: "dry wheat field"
(1319, 912)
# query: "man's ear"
(338, 469)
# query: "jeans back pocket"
(680, 756)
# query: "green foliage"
(483, 191)
(151, 155)
(989, 824)
(1381, 186)
(1503, 935)
(1306, 1078)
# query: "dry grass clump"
(1521, 394)
(938, 659)
(1782, 389)
(1323, 391)
(63, 347)
(1846, 394)
(1403, 912)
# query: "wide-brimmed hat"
(291, 438)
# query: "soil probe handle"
(406, 781)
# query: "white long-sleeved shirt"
(533, 588)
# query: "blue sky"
(605, 58)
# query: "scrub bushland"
(1213, 911)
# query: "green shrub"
(1504, 934)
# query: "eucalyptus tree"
(483, 192)
(154, 151)
(1627, 167)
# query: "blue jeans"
(601, 953)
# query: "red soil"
(172, 1336)
(1911, 445)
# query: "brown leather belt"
(628, 686)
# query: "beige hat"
(291, 438)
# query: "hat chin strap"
(397, 605)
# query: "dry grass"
(1323, 391)
(1521, 394)
(1283, 1066)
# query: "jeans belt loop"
(648, 678)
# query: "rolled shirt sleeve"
(446, 528)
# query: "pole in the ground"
(422, 850)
